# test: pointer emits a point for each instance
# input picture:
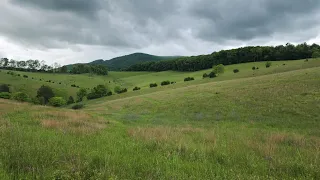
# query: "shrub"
(49, 81)
(218, 69)
(268, 64)
(205, 75)
(109, 93)
(257, 67)
(189, 79)
(98, 92)
(18, 74)
(25, 76)
(46, 92)
(70, 100)
(152, 85)
(59, 82)
(20, 96)
(57, 101)
(32, 78)
(283, 64)
(73, 85)
(81, 94)
(306, 60)
(253, 68)
(212, 75)
(77, 106)
(4, 88)
(5, 95)
(236, 70)
(40, 79)
(164, 83)
(38, 100)
(119, 90)
(136, 89)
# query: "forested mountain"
(232, 56)
(126, 61)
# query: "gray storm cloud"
(123, 24)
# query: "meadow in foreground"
(264, 127)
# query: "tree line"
(40, 66)
(232, 56)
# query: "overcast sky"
(70, 31)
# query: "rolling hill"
(261, 124)
(126, 61)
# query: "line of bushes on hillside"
(48, 81)
(232, 56)
(45, 96)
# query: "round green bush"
(5, 95)
(21, 96)
(57, 101)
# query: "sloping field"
(264, 127)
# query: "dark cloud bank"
(139, 24)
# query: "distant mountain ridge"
(126, 61)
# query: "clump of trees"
(188, 79)
(21, 96)
(218, 69)
(86, 68)
(57, 101)
(233, 56)
(44, 93)
(152, 85)
(37, 66)
(164, 83)
(81, 94)
(235, 70)
(98, 92)
(4, 88)
(212, 75)
(136, 88)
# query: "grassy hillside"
(142, 79)
(126, 61)
(237, 126)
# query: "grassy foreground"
(265, 127)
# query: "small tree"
(70, 100)
(212, 75)
(268, 64)
(218, 69)
(81, 94)
(4, 88)
(46, 92)
(205, 75)
(236, 70)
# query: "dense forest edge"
(232, 56)
(192, 63)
